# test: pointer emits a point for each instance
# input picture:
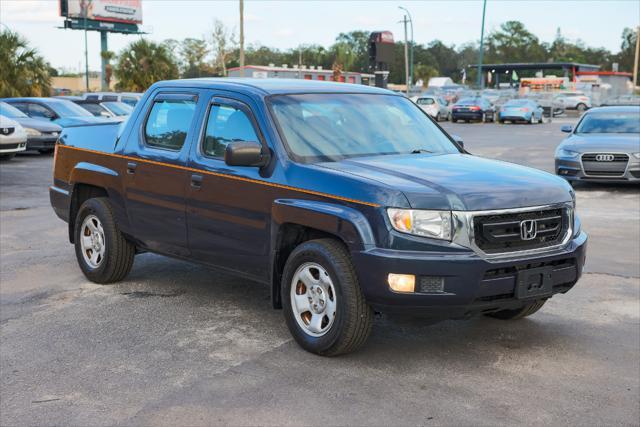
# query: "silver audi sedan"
(604, 147)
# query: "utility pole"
(86, 52)
(241, 38)
(103, 51)
(635, 62)
(480, 75)
(411, 76)
(406, 55)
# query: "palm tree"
(143, 63)
(23, 72)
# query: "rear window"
(168, 123)
(425, 101)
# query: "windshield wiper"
(420, 150)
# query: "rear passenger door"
(227, 211)
(156, 178)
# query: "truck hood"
(605, 143)
(459, 181)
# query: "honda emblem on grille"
(528, 229)
(604, 158)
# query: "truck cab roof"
(267, 87)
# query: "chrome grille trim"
(464, 231)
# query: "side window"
(226, 124)
(168, 123)
(21, 106)
(40, 112)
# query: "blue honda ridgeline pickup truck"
(344, 199)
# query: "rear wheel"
(324, 307)
(104, 255)
(519, 313)
(532, 120)
(581, 108)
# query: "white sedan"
(434, 106)
(13, 138)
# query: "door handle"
(196, 181)
(131, 168)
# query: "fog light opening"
(405, 283)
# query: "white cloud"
(29, 12)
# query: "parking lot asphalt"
(179, 344)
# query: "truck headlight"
(566, 153)
(32, 132)
(433, 224)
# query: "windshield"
(64, 108)
(332, 127)
(118, 108)
(610, 123)
(10, 111)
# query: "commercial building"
(300, 72)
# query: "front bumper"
(472, 285)
(14, 145)
(571, 169)
(41, 142)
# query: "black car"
(469, 109)
(41, 136)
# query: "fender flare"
(345, 223)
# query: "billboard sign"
(125, 11)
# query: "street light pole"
(241, 38)
(635, 62)
(86, 51)
(406, 55)
(480, 76)
(411, 76)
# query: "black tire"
(46, 151)
(454, 120)
(501, 121)
(581, 108)
(519, 313)
(119, 252)
(7, 156)
(353, 319)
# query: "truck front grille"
(498, 233)
(604, 164)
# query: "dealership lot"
(177, 343)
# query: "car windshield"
(610, 123)
(332, 127)
(11, 111)
(118, 108)
(64, 108)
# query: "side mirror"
(459, 140)
(566, 128)
(245, 153)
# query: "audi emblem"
(604, 157)
(528, 229)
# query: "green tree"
(193, 53)
(626, 56)
(514, 43)
(23, 71)
(143, 63)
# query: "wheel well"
(289, 237)
(82, 193)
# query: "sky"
(287, 24)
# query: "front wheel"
(519, 313)
(324, 307)
(104, 255)
(7, 156)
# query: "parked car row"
(33, 123)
